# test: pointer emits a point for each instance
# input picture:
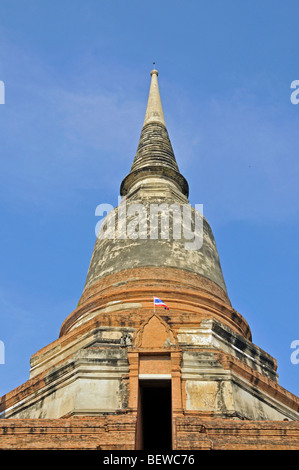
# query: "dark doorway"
(155, 415)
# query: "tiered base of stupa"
(192, 368)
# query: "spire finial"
(154, 71)
(154, 111)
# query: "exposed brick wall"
(117, 432)
(190, 297)
(79, 433)
(155, 364)
(195, 433)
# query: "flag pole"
(154, 304)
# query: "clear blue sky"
(76, 80)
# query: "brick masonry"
(118, 433)
(84, 433)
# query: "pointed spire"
(154, 111)
(154, 159)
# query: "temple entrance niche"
(155, 428)
(155, 345)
